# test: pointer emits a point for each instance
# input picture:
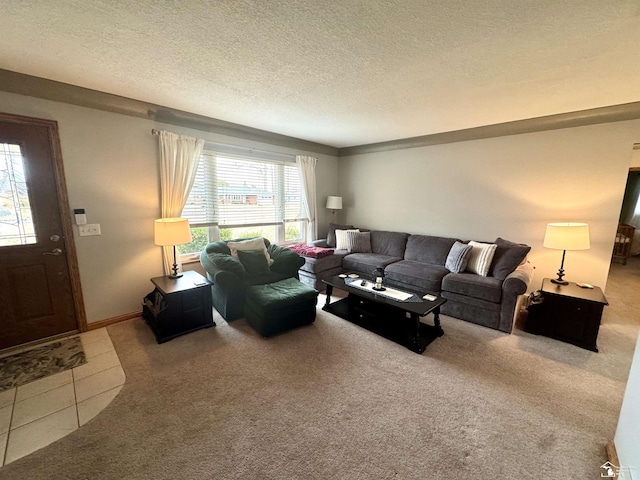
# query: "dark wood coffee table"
(396, 320)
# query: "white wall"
(627, 438)
(508, 187)
(111, 167)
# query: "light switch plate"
(89, 229)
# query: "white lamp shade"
(334, 203)
(171, 231)
(567, 236)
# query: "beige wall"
(111, 167)
(508, 187)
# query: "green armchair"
(230, 277)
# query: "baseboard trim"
(110, 321)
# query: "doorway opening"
(627, 241)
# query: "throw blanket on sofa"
(311, 251)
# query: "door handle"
(55, 251)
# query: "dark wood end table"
(178, 306)
(568, 313)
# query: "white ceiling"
(343, 72)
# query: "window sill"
(190, 258)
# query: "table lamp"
(334, 203)
(566, 236)
(171, 232)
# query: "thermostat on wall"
(81, 218)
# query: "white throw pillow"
(342, 242)
(480, 257)
(253, 244)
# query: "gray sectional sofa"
(417, 262)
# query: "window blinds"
(233, 191)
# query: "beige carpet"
(335, 401)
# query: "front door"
(40, 295)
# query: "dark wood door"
(39, 287)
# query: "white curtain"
(179, 157)
(307, 168)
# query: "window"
(240, 196)
(16, 223)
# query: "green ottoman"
(279, 306)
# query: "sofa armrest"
(221, 277)
(517, 282)
(227, 280)
(285, 260)
(322, 243)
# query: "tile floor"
(38, 413)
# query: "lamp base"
(559, 280)
(175, 273)
(381, 289)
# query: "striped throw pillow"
(341, 238)
(358, 242)
(480, 257)
(458, 257)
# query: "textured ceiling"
(342, 72)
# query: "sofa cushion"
(331, 234)
(507, 257)
(421, 276)
(317, 265)
(428, 249)
(392, 244)
(281, 294)
(358, 242)
(366, 263)
(265, 278)
(254, 262)
(480, 257)
(458, 257)
(474, 302)
(475, 286)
